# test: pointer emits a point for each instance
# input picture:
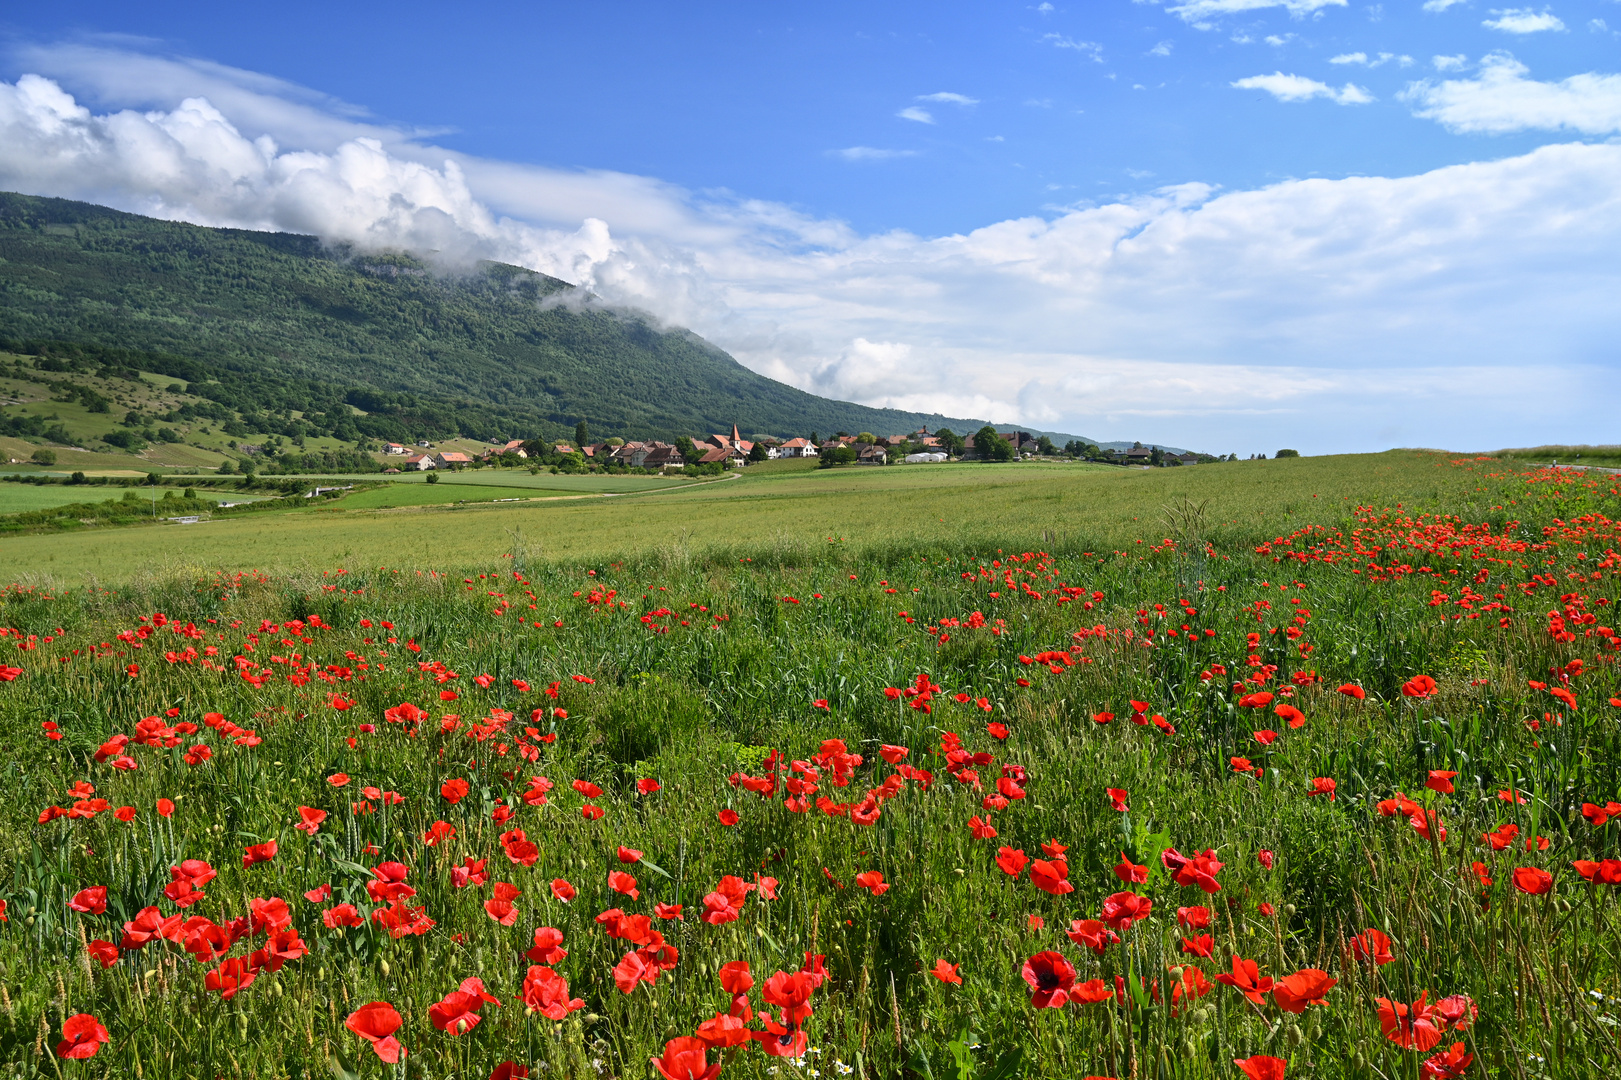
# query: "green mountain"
(298, 337)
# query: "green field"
(1055, 507)
(1377, 765)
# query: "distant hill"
(285, 329)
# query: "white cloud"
(1276, 41)
(1501, 99)
(1333, 314)
(1449, 63)
(870, 153)
(1598, 26)
(1440, 5)
(1045, 8)
(1349, 58)
(1523, 21)
(1378, 61)
(1202, 11)
(1162, 49)
(1299, 88)
(1090, 49)
(946, 97)
(917, 113)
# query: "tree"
(226, 468)
(433, 478)
(688, 450)
(1046, 447)
(1156, 457)
(950, 441)
(866, 438)
(758, 452)
(1287, 453)
(43, 456)
(582, 435)
(839, 455)
(991, 446)
(814, 439)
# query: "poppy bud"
(1294, 1036)
(382, 965)
(1289, 910)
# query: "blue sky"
(1202, 222)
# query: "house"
(1189, 458)
(796, 448)
(731, 456)
(418, 462)
(1139, 455)
(872, 455)
(513, 447)
(563, 448)
(660, 456)
(394, 449)
(449, 459)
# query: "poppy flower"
(648, 785)
(1419, 686)
(126, 814)
(586, 788)
(1117, 798)
(1051, 978)
(1532, 880)
(1201, 870)
(338, 779)
(1051, 876)
(1102, 717)
(1241, 764)
(722, 1032)
(1459, 1010)
(1259, 700)
(456, 1013)
(667, 911)
(165, 808)
(873, 881)
(996, 731)
(1511, 796)
(1012, 861)
(548, 947)
(893, 754)
(562, 890)
(981, 828)
(791, 993)
(454, 791)
(546, 992)
(1200, 945)
(621, 882)
(1121, 909)
(1410, 1027)
(1441, 780)
(1305, 987)
(310, 819)
(946, 973)
(1130, 873)
(82, 1036)
(438, 833)
(340, 916)
(103, 952)
(500, 907)
(376, 1022)
(1322, 785)
(1352, 690)
(1266, 738)
(630, 972)
(591, 812)
(1261, 1067)
(1265, 858)
(1372, 945)
(91, 901)
(728, 817)
(1194, 918)
(1598, 815)
(1091, 934)
(1247, 980)
(1607, 872)
(1449, 1064)
(628, 856)
(777, 1040)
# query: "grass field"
(1029, 772)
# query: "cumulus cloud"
(1162, 49)
(1201, 12)
(1450, 63)
(1333, 314)
(1299, 88)
(916, 113)
(945, 97)
(1502, 99)
(1440, 5)
(1090, 49)
(1377, 61)
(1523, 21)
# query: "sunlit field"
(1038, 771)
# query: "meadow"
(1294, 768)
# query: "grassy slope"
(282, 304)
(1058, 507)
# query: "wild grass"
(733, 613)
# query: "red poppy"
(500, 906)
(562, 890)
(1598, 815)
(1247, 980)
(1194, 918)
(1261, 1067)
(338, 779)
(376, 1022)
(1051, 978)
(1012, 861)
(546, 992)
(1258, 700)
(454, 791)
(1241, 764)
(341, 915)
(1449, 1064)
(456, 1013)
(777, 1040)
(1412, 1028)
(946, 973)
(621, 882)
(591, 812)
(728, 817)
(873, 881)
(165, 808)
(126, 814)
(1121, 909)
(628, 856)
(1322, 785)
(1200, 945)
(1051, 877)
(1419, 686)
(648, 785)
(1102, 717)
(1441, 780)
(1117, 798)
(1607, 872)
(1294, 717)
(1091, 934)
(1372, 945)
(1130, 873)
(981, 828)
(735, 977)
(722, 1032)
(1502, 836)
(1305, 987)
(1053, 849)
(82, 1036)
(1266, 738)
(1532, 880)
(586, 788)
(91, 901)
(1200, 870)
(103, 952)
(631, 971)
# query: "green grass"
(702, 659)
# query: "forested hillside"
(269, 325)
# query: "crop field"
(1304, 768)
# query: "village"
(716, 452)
